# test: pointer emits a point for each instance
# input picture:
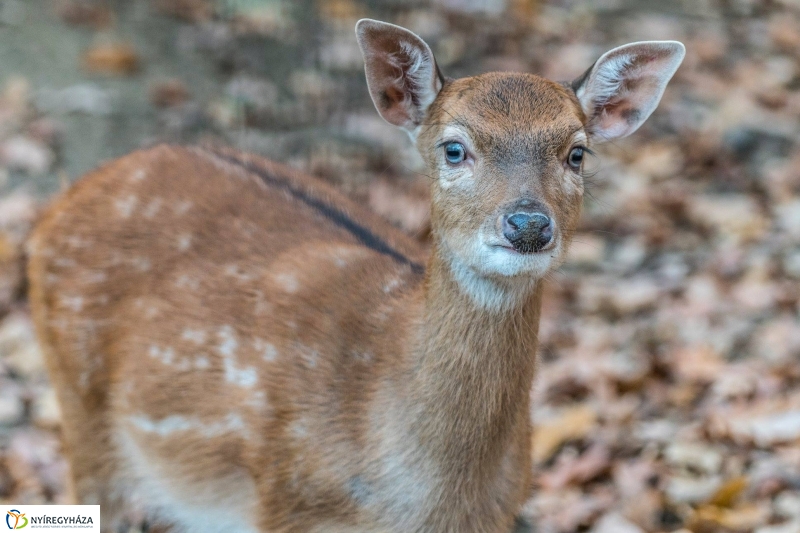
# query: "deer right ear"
(402, 75)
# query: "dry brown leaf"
(169, 93)
(83, 13)
(699, 363)
(571, 424)
(713, 519)
(112, 58)
(592, 463)
(730, 491)
(190, 10)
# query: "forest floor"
(668, 395)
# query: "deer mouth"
(525, 252)
(528, 246)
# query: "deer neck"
(473, 364)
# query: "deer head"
(505, 151)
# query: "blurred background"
(668, 396)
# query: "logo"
(19, 519)
(52, 518)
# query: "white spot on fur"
(141, 264)
(165, 355)
(392, 285)
(258, 400)
(125, 206)
(201, 362)
(187, 282)
(270, 353)
(243, 377)
(139, 175)
(169, 425)
(228, 343)
(96, 276)
(341, 254)
(197, 336)
(152, 208)
(182, 207)
(266, 349)
(300, 428)
(234, 271)
(288, 282)
(184, 242)
(365, 357)
(165, 426)
(64, 262)
(74, 241)
(75, 303)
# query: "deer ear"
(624, 86)
(402, 75)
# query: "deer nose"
(528, 232)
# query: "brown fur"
(222, 330)
(173, 240)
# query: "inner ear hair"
(402, 74)
(622, 89)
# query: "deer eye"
(575, 158)
(455, 153)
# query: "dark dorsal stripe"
(361, 233)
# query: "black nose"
(528, 232)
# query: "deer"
(238, 346)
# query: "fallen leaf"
(112, 58)
(570, 424)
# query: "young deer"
(238, 347)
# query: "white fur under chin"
(499, 279)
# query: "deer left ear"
(624, 86)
